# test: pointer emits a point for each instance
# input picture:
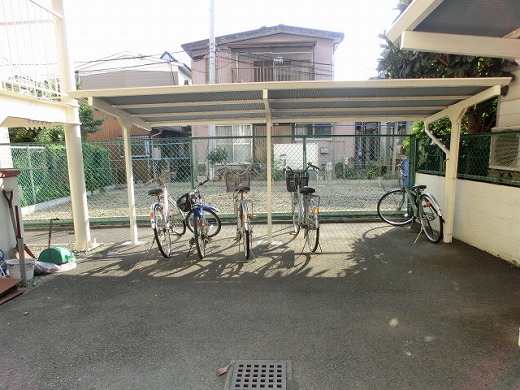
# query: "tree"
(89, 125)
(397, 64)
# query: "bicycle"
(244, 233)
(165, 216)
(201, 219)
(404, 205)
(305, 204)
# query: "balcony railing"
(272, 73)
(29, 55)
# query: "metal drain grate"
(255, 374)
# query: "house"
(285, 53)
(276, 53)
(133, 70)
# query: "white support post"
(450, 185)
(455, 113)
(269, 176)
(78, 193)
(269, 179)
(126, 126)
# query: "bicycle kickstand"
(149, 249)
(420, 231)
(303, 247)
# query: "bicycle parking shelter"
(310, 101)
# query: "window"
(239, 150)
(367, 147)
(313, 129)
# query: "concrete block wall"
(487, 216)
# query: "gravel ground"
(354, 195)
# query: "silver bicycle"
(166, 218)
(305, 204)
(243, 212)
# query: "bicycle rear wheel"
(214, 224)
(161, 232)
(393, 208)
(295, 212)
(312, 228)
(198, 232)
(177, 224)
(431, 221)
(246, 241)
(247, 231)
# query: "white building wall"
(487, 216)
(509, 105)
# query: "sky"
(100, 28)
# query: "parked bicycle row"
(398, 207)
(171, 217)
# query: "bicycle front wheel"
(393, 208)
(177, 224)
(431, 221)
(246, 228)
(198, 232)
(214, 224)
(161, 231)
(312, 227)
(295, 212)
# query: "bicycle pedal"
(293, 233)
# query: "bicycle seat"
(242, 188)
(155, 191)
(307, 190)
(419, 187)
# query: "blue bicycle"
(201, 219)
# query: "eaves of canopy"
(468, 27)
(289, 102)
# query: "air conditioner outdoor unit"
(505, 148)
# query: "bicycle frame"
(303, 201)
(162, 200)
(414, 195)
(304, 204)
(198, 223)
(243, 219)
(404, 205)
(197, 203)
(201, 207)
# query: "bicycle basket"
(233, 179)
(184, 202)
(293, 179)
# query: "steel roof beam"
(461, 44)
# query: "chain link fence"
(492, 157)
(354, 171)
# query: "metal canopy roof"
(469, 27)
(287, 102)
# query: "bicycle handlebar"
(203, 182)
(309, 165)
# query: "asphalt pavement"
(371, 309)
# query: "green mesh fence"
(355, 170)
(490, 157)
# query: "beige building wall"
(509, 108)
(487, 216)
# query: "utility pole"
(212, 74)
(212, 46)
